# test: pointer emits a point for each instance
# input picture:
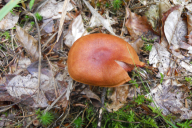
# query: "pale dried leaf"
(96, 22)
(24, 62)
(105, 22)
(186, 65)
(28, 42)
(179, 35)
(144, 2)
(119, 97)
(189, 7)
(160, 57)
(90, 94)
(164, 6)
(28, 85)
(76, 30)
(171, 23)
(48, 25)
(53, 9)
(181, 2)
(9, 21)
(169, 97)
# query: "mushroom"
(102, 60)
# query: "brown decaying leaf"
(28, 42)
(137, 25)
(119, 97)
(189, 27)
(137, 44)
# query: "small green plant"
(107, 5)
(98, 4)
(140, 99)
(162, 76)
(150, 121)
(78, 122)
(38, 16)
(45, 118)
(117, 4)
(188, 79)
(185, 124)
(134, 83)
(14, 9)
(147, 40)
(148, 47)
(90, 112)
(6, 35)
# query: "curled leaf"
(28, 42)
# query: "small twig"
(49, 107)
(39, 66)
(64, 11)
(143, 6)
(64, 117)
(91, 119)
(101, 109)
(55, 83)
(74, 119)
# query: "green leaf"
(162, 76)
(7, 8)
(31, 4)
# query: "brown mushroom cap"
(101, 60)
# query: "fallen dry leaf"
(28, 42)
(180, 2)
(137, 25)
(96, 22)
(119, 97)
(137, 45)
(164, 6)
(171, 25)
(189, 7)
(189, 28)
(48, 25)
(9, 21)
(160, 57)
(75, 31)
(170, 98)
(105, 22)
(152, 15)
(53, 9)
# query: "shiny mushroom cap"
(102, 60)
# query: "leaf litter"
(168, 24)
